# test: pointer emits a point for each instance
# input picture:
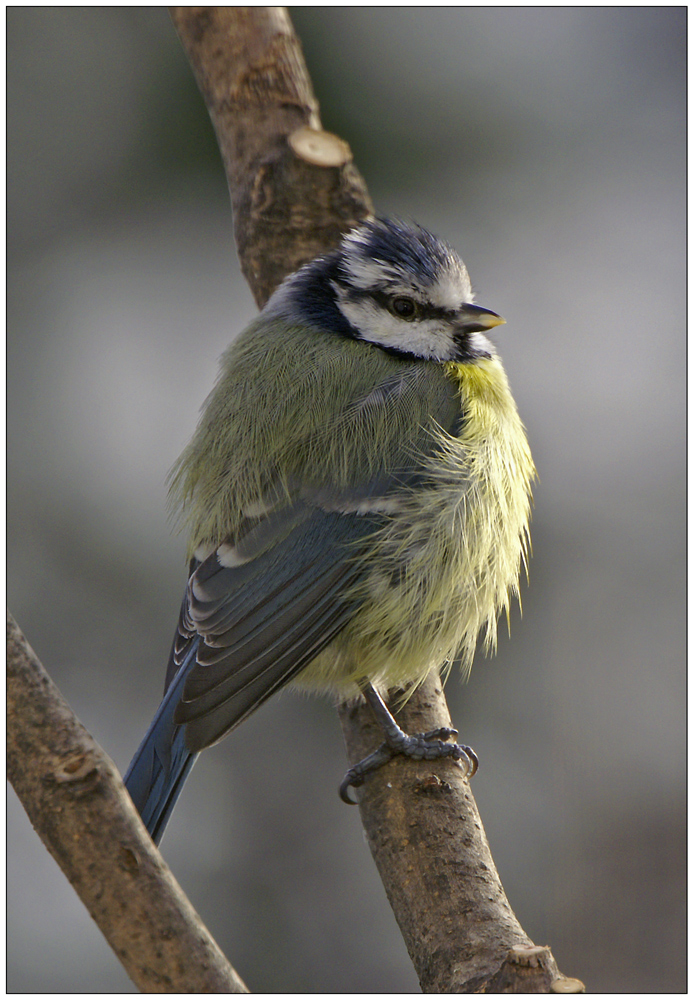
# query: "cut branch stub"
(294, 188)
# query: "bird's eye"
(404, 307)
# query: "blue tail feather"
(162, 763)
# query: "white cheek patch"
(428, 338)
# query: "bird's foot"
(421, 746)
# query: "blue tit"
(357, 497)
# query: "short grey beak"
(475, 319)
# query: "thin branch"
(75, 799)
(294, 188)
(291, 203)
(429, 845)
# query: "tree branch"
(75, 799)
(294, 190)
(289, 205)
(429, 845)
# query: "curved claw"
(357, 774)
(422, 746)
(348, 782)
(473, 761)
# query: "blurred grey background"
(548, 145)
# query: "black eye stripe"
(425, 310)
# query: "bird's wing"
(264, 619)
(266, 603)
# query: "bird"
(357, 498)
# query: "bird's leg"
(421, 746)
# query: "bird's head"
(394, 285)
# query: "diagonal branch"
(294, 189)
(77, 804)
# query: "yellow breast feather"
(450, 559)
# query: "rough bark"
(75, 799)
(427, 839)
(294, 188)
